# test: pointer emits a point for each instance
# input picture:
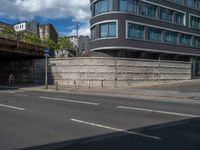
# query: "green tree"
(8, 32)
(65, 43)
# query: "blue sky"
(63, 14)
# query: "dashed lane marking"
(158, 111)
(23, 95)
(71, 101)
(12, 107)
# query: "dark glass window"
(194, 22)
(171, 37)
(93, 33)
(190, 3)
(135, 31)
(128, 5)
(108, 30)
(197, 42)
(102, 6)
(166, 14)
(155, 34)
(148, 10)
(178, 1)
(185, 39)
(180, 18)
(198, 4)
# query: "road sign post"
(46, 54)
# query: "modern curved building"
(166, 29)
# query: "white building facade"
(31, 27)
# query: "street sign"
(46, 52)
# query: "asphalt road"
(51, 121)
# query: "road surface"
(40, 120)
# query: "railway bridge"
(16, 58)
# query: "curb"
(141, 96)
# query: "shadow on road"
(180, 135)
(18, 86)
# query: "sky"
(63, 14)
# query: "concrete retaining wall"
(109, 72)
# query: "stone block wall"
(109, 72)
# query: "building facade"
(31, 27)
(83, 43)
(146, 28)
(48, 31)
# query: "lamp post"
(77, 34)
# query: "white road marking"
(116, 129)
(13, 107)
(23, 95)
(158, 111)
(71, 101)
(8, 91)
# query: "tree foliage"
(65, 43)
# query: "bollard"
(102, 83)
(56, 85)
(89, 84)
(74, 85)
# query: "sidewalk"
(137, 92)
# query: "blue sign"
(46, 51)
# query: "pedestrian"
(11, 79)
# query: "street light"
(77, 34)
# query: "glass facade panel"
(110, 5)
(108, 30)
(170, 37)
(190, 3)
(166, 14)
(96, 8)
(112, 29)
(178, 1)
(180, 18)
(93, 33)
(148, 10)
(198, 4)
(185, 39)
(135, 31)
(194, 22)
(122, 5)
(155, 34)
(128, 5)
(197, 42)
(102, 6)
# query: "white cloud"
(84, 30)
(27, 9)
